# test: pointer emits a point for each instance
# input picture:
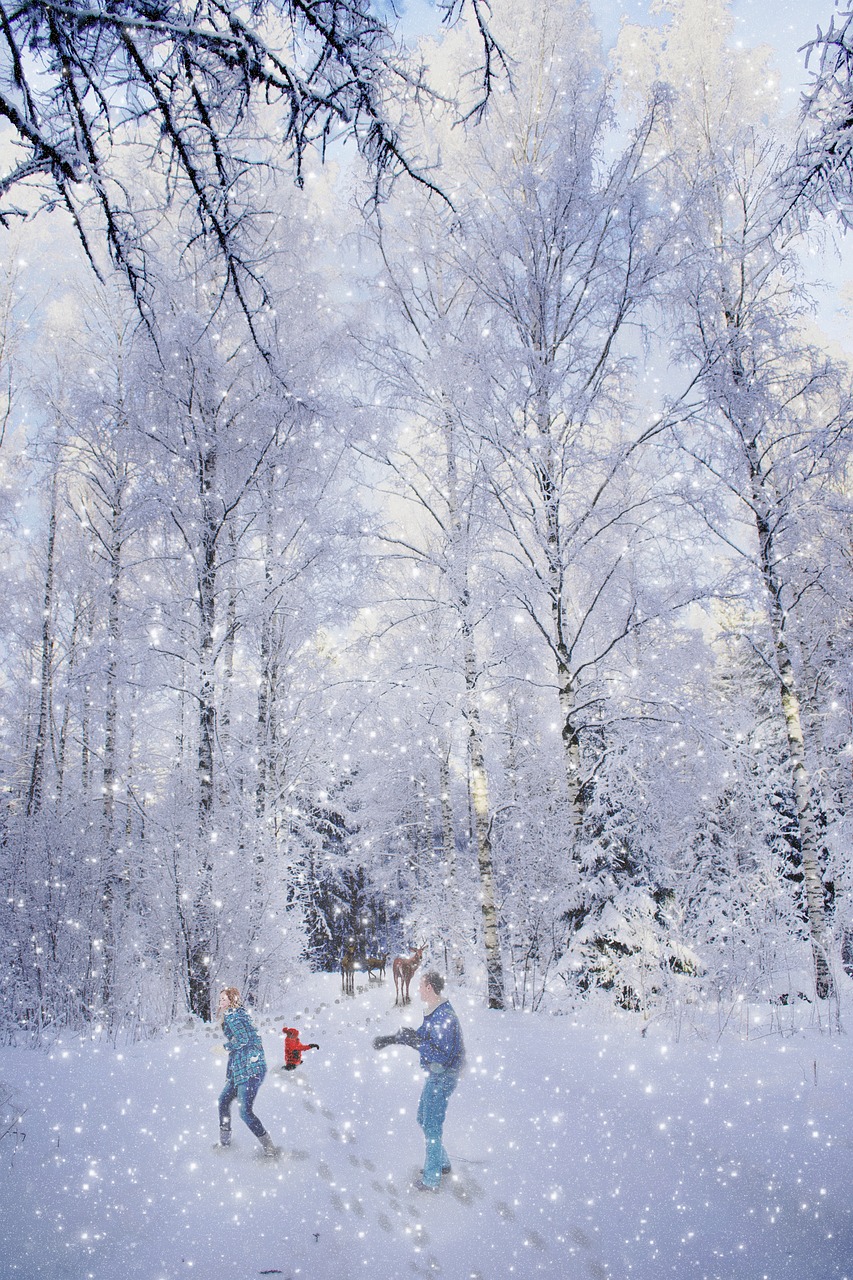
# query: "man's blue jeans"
(245, 1093)
(432, 1109)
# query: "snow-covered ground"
(581, 1148)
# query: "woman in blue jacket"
(247, 1067)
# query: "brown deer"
(348, 971)
(376, 962)
(404, 967)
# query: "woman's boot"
(271, 1151)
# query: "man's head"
(432, 985)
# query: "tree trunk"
(790, 703)
(200, 931)
(482, 824)
(479, 782)
(86, 767)
(35, 787)
(268, 676)
(570, 738)
(111, 882)
(556, 588)
(448, 843)
(62, 744)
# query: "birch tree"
(208, 453)
(429, 372)
(565, 248)
(104, 469)
(776, 412)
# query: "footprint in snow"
(461, 1193)
(504, 1211)
(416, 1266)
(431, 1267)
(591, 1267)
(467, 1190)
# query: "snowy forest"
(425, 451)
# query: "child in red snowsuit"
(293, 1050)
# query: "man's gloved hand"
(408, 1036)
(313, 1046)
(382, 1042)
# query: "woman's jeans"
(245, 1093)
(432, 1109)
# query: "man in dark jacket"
(442, 1052)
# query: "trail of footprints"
(401, 1211)
(593, 1269)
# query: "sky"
(785, 24)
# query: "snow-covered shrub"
(628, 949)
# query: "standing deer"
(404, 967)
(348, 971)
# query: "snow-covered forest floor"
(581, 1148)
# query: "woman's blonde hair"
(234, 1001)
